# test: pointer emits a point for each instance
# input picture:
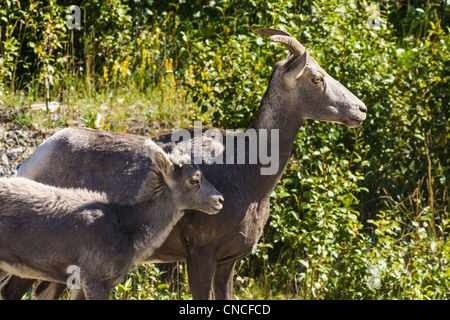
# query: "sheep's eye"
(194, 181)
(317, 79)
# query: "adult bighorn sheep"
(45, 229)
(299, 89)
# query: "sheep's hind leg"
(14, 287)
(48, 290)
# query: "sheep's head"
(314, 93)
(190, 189)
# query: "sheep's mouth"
(217, 207)
(353, 122)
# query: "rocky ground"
(17, 142)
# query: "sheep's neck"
(274, 113)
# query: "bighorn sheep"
(45, 229)
(299, 89)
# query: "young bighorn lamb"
(44, 229)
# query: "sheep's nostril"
(363, 108)
(221, 199)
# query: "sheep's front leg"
(95, 290)
(77, 294)
(223, 281)
(200, 268)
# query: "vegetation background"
(358, 214)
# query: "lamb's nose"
(220, 199)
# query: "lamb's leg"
(200, 264)
(49, 291)
(15, 287)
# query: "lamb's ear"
(159, 158)
(162, 163)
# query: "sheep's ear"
(159, 158)
(295, 69)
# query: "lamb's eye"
(317, 79)
(194, 181)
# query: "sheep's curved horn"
(280, 36)
(272, 32)
(294, 46)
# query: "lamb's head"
(314, 93)
(190, 189)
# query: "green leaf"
(284, 194)
(162, 286)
